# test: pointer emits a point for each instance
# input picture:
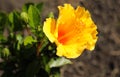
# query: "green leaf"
(24, 17)
(20, 41)
(15, 21)
(11, 17)
(2, 38)
(51, 15)
(3, 20)
(29, 40)
(1, 48)
(34, 17)
(19, 38)
(59, 62)
(6, 52)
(40, 6)
(26, 7)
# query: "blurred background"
(104, 61)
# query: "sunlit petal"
(49, 29)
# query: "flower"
(73, 31)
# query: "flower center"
(64, 37)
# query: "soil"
(104, 61)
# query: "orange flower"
(73, 31)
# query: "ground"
(104, 61)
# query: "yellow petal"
(66, 13)
(70, 51)
(65, 18)
(49, 29)
(92, 40)
(83, 16)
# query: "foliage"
(24, 49)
